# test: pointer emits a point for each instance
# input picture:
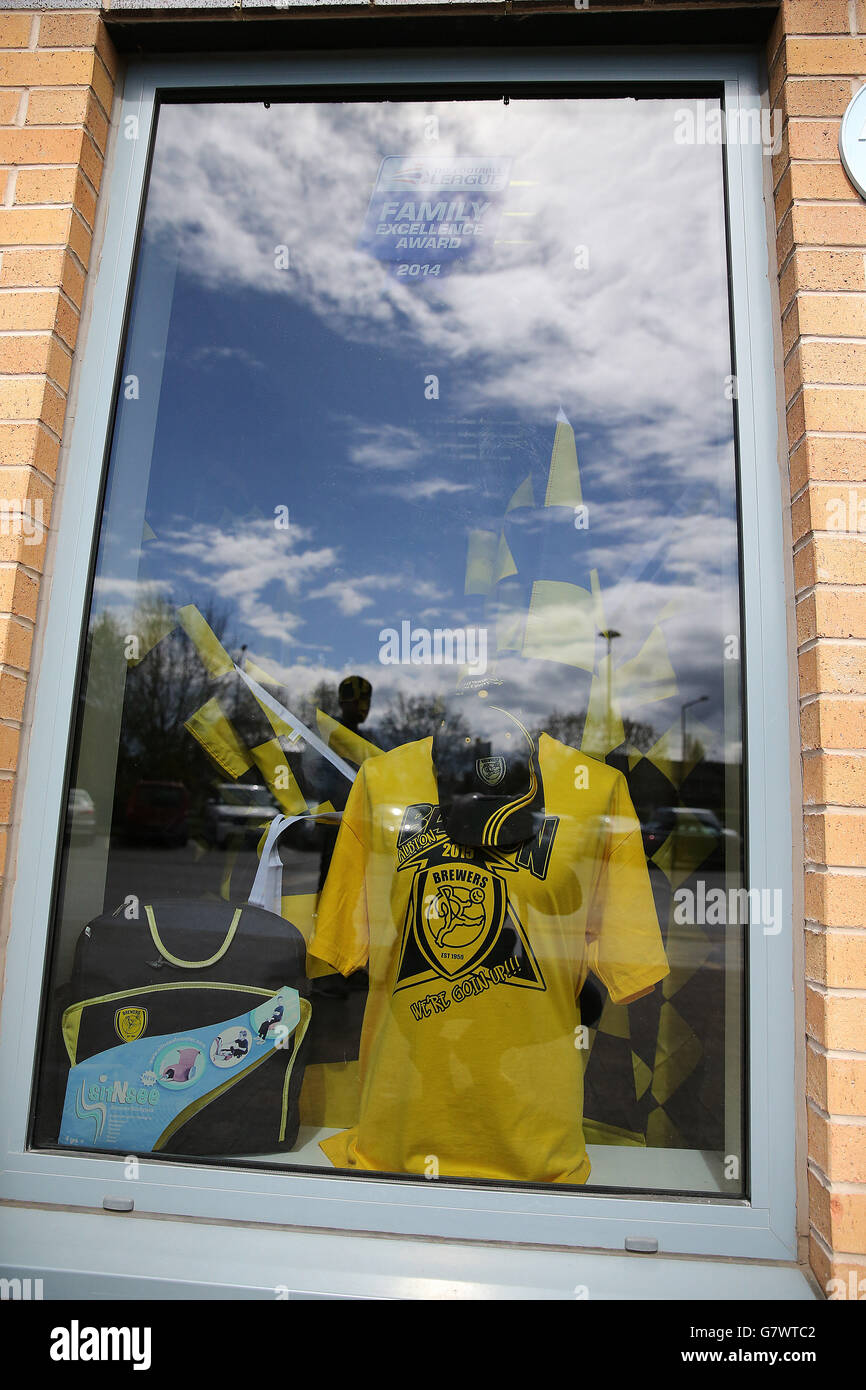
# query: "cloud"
(423, 489)
(385, 446)
(346, 594)
(242, 563)
(425, 588)
(128, 591)
(211, 354)
(352, 595)
(636, 340)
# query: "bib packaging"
(136, 1097)
(186, 1031)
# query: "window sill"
(201, 1260)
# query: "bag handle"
(267, 889)
(267, 892)
(192, 964)
(300, 1029)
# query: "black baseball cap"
(486, 766)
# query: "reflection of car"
(237, 809)
(691, 825)
(158, 811)
(80, 815)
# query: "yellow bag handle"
(192, 964)
(300, 1029)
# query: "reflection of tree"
(162, 691)
(694, 751)
(409, 717)
(568, 728)
(170, 682)
(324, 697)
(640, 735)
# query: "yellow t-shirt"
(470, 1058)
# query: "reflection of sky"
(304, 388)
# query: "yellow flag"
(218, 737)
(343, 741)
(560, 625)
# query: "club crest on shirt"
(459, 919)
(459, 912)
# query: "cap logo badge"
(490, 770)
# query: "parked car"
(80, 816)
(157, 811)
(237, 809)
(689, 824)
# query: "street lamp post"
(688, 704)
(240, 662)
(609, 636)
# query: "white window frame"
(762, 1227)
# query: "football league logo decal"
(490, 770)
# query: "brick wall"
(817, 57)
(56, 86)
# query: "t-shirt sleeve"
(342, 931)
(624, 944)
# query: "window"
(407, 832)
(420, 525)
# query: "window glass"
(404, 829)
